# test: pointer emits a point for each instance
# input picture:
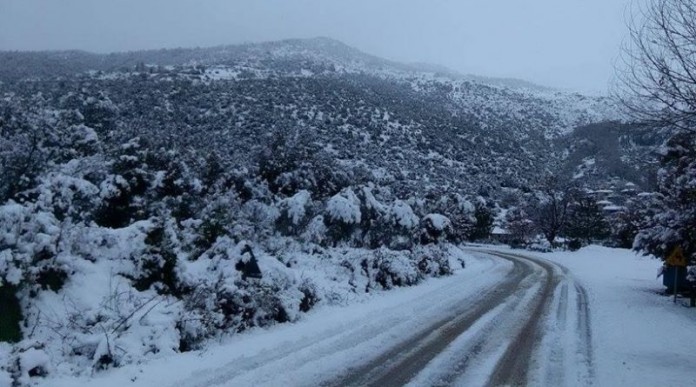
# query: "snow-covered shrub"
(222, 300)
(6, 364)
(78, 141)
(384, 224)
(433, 260)
(540, 244)
(316, 231)
(484, 216)
(519, 225)
(343, 216)
(97, 318)
(122, 192)
(311, 295)
(157, 266)
(292, 161)
(256, 221)
(393, 269)
(22, 364)
(67, 197)
(404, 222)
(435, 228)
(374, 225)
(295, 213)
(29, 256)
(216, 219)
(461, 213)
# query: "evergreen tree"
(484, 222)
(586, 221)
(672, 221)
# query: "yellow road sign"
(676, 258)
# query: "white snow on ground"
(640, 338)
(314, 348)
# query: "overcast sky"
(568, 44)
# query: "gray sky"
(562, 43)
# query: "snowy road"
(531, 328)
(507, 319)
(522, 321)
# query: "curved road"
(530, 333)
(532, 327)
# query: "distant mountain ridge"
(328, 48)
(477, 133)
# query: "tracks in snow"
(554, 346)
(530, 328)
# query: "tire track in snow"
(531, 327)
(560, 352)
(514, 366)
(400, 364)
(550, 345)
(326, 343)
(585, 330)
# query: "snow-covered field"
(639, 337)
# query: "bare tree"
(549, 210)
(657, 69)
(658, 82)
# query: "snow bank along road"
(507, 319)
(522, 321)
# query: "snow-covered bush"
(316, 231)
(97, 318)
(6, 364)
(433, 260)
(157, 267)
(67, 197)
(404, 223)
(295, 213)
(119, 248)
(343, 216)
(435, 228)
(29, 249)
(385, 224)
(223, 300)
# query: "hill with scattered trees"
(150, 201)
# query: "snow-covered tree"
(484, 216)
(435, 228)
(549, 208)
(673, 219)
(519, 225)
(586, 222)
(658, 85)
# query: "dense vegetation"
(168, 189)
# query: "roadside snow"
(323, 341)
(640, 337)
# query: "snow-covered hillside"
(142, 194)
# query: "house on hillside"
(501, 235)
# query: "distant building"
(501, 235)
